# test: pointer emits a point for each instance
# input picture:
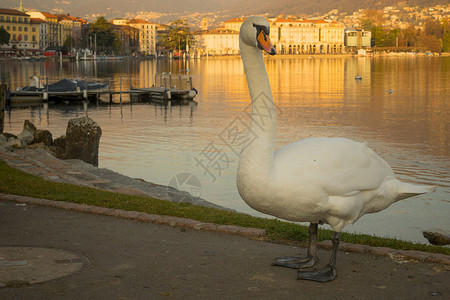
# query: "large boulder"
(9, 141)
(60, 142)
(437, 237)
(82, 140)
(43, 136)
(59, 147)
(26, 137)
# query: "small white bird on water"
(316, 180)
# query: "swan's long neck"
(257, 153)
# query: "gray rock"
(43, 136)
(82, 140)
(26, 137)
(437, 237)
(9, 135)
(60, 142)
(13, 143)
(59, 147)
(36, 146)
(57, 151)
(3, 138)
(28, 126)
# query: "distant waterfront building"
(204, 24)
(24, 38)
(147, 35)
(302, 36)
(220, 41)
(70, 27)
(234, 24)
(357, 39)
(129, 38)
(288, 35)
(54, 30)
(42, 33)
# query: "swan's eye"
(262, 28)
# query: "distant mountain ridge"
(218, 9)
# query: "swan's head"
(255, 32)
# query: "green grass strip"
(16, 182)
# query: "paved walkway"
(117, 258)
(86, 253)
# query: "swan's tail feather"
(410, 190)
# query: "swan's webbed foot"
(302, 262)
(295, 262)
(322, 275)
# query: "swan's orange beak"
(265, 44)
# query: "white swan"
(316, 180)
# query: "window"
(19, 28)
(20, 20)
(8, 28)
(25, 37)
(2, 18)
(33, 38)
(25, 29)
(14, 28)
(14, 19)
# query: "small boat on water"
(65, 89)
(64, 85)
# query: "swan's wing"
(336, 166)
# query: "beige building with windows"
(220, 41)
(147, 35)
(70, 27)
(301, 36)
(24, 39)
(288, 35)
(54, 34)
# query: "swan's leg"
(329, 272)
(305, 261)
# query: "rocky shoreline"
(72, 158)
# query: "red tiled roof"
(7, 11)
(286, 20)
(139, 21)
(49, 15)
(236, 20)
(36, 21)
(222, 30)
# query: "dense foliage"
(178, 37)
(102, 37)
(4, 36)
(435, 36)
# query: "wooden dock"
(164, 92)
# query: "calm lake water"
(409, 126)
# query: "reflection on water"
(408, 126)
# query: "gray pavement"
(128, 259)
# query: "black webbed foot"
(295, 262)
(322, 275)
